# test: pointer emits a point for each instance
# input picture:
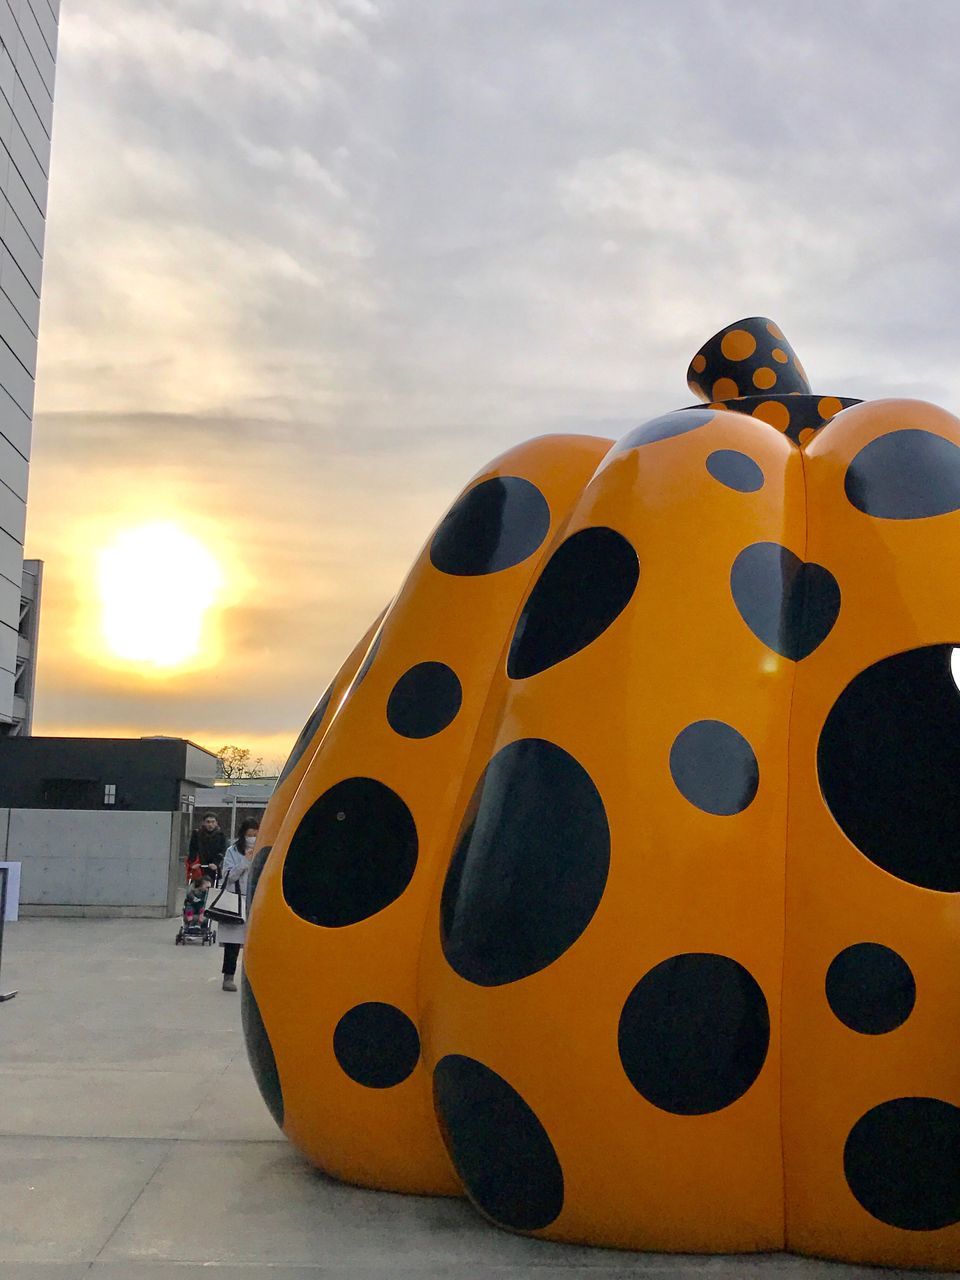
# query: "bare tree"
(239, 762)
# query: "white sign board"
(13, 889)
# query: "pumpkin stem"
(748, 358)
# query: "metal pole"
(4, 872)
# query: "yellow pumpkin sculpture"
(614, 881)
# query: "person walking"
(236, 866)
(208, 844)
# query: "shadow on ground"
(134, 1145)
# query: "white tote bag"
(227, 906)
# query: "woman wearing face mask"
(236, 865)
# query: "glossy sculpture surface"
(614, 881)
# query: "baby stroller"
(194, 925)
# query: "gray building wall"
(85, 862)
(25, 681)
(28, 45)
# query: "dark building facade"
(99, 825)
(155, 774)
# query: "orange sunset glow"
(177, 602)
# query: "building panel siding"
(25, 67)
(11, 557)
(28, 43)
(13, 468)
(14, 424)
(32, 39)
(43, 17)
(8, 648)
(9, 597)
(19, 290)
(21, 247)
(13, 518)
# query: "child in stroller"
(195, 927)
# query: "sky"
(310, 264)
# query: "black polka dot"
(376, 1044)
(665, 427)
(789, 604)
(353, 853)
(902, 1162)
(260, 1051)
(714, 767)
(587, 583)
(870, 988)
(889, 766)
(498, 1146)
(256, 868)
(493, 526)
(307, 734)
(694, 1033)
(529, 868)
(905, 475)
(424, 700)
(735, 470)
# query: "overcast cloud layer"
(324, 258)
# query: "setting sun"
(156, 585)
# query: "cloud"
(311, 262)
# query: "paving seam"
(58, 1068)
(137, 1137)
(136, 1200)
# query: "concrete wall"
(90, 863)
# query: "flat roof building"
(28, 45)
(99, 825)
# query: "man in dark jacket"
(208, 844)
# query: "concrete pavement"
(134, 1144)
